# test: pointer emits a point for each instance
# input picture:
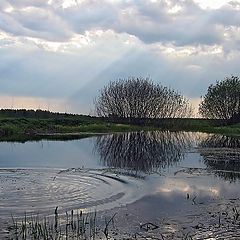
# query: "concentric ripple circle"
(41, 190)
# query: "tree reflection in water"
(142, 151)
(222, 154)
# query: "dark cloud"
(149, 21)
(191, 25)
(91, 14)
(35, 22)
(226, 16)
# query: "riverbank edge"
(26, 129)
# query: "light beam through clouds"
(64, 51)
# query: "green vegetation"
(74, 225)
(229, 130)
(22, 125)
(133, 104)
(23, 129)
(15, 127)
(222, 100)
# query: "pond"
(149, 175)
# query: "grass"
(98, 128)
(23, 129)
(74, 225)
(231, 130)
(79, 226)
(35, 128)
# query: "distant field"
(22, 124)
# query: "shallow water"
(31, 190)
(158, 172)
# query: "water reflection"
(220, 141)
(222, 155)
(142, 151)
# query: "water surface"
(158, 171)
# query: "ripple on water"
(41, 190)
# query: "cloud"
(177, 22)
(34, 22)
(78, 75)
(67, 51)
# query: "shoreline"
(26, 129)
(79, 135)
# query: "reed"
(73, 225)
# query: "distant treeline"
(43, 114)
(72, 119)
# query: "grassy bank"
(23, 129)
(66, 126)
(206, 126)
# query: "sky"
(58, 54)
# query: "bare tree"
(136, 98)
(143, 151)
